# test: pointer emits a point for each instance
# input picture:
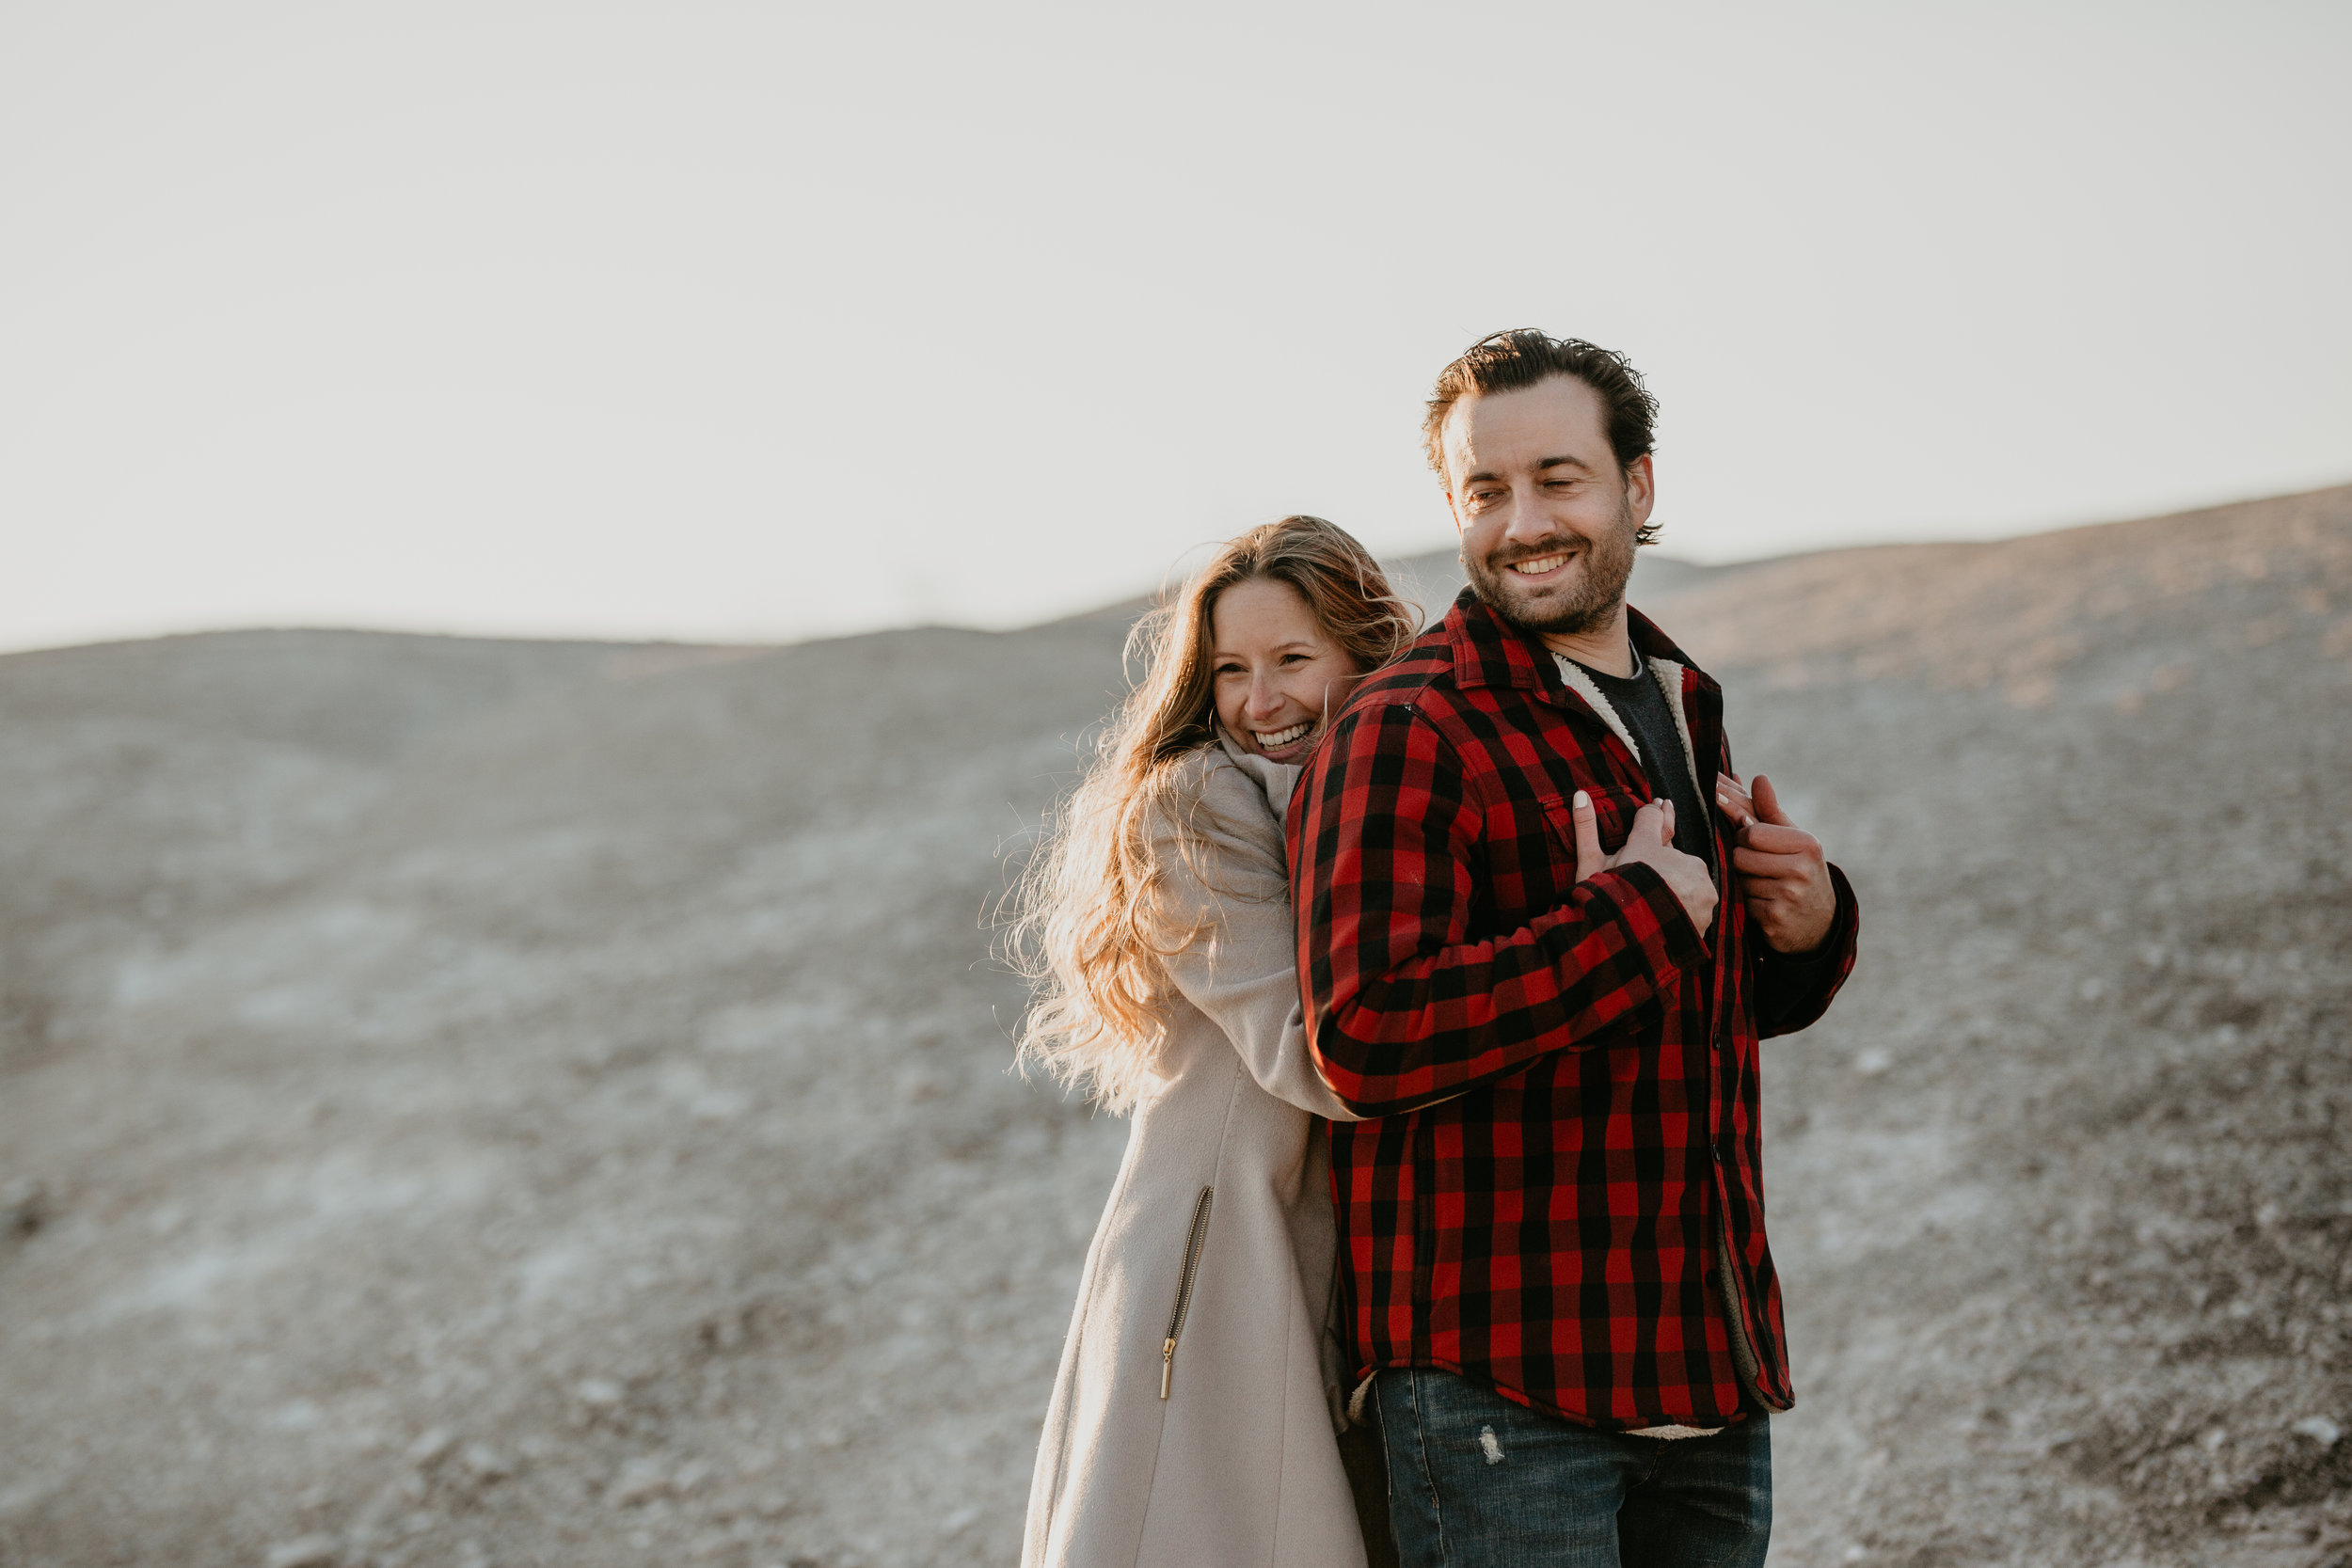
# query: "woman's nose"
(1264, 699)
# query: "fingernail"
(1583, 799)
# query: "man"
(1539, 963)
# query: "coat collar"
(1278, 780)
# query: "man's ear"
(1641, 489)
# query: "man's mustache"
(1529, 552)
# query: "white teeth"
(1536, 567)
(1284, 738)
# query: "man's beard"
(1583, 606)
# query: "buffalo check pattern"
(1560, 1076)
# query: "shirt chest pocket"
(1613, 816)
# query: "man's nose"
(1524, 522)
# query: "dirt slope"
(468, 1102)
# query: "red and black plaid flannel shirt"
(1562, 1076)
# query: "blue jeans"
(1476, 1481)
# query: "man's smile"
(1540, 566)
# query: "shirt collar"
(1488, 651)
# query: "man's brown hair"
(1507, 361)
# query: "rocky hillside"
(472, 1103)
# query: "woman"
(1190, 1422)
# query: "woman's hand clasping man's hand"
(1651, 842)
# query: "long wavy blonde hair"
(1086, 932)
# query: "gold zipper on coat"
(1193, 1242)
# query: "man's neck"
(1608, 647)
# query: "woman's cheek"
(1231, 696)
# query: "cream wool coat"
(1239, 1465)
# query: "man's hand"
(1784, 876)
(1651, 842)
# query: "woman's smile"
(1270, 739)
(1288, 744)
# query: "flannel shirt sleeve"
(1402, 1009)
(1793, 992)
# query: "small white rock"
(431, 1447)
(1873, 1062)
(2319, 1428)
(599, 1392)
(484, 1463)
(640, 1479)
(311, 1551)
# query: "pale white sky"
(747, 322)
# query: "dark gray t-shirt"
(1643, 706)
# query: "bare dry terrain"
(467, 1102)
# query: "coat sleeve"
(1792, 993)
(1402, 1009)
(1224, 898)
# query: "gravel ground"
(467, 1102)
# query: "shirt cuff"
(1828, 951)
(1685, 948)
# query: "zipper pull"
(1168, 1363)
